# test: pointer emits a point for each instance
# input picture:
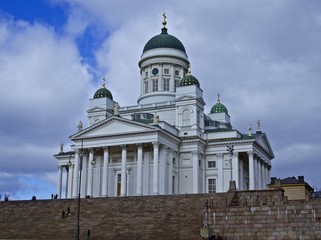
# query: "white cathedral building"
(165, 144)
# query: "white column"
(195, 171)
(90, 173)
(59, 183)
(262, 176)
(220, 178)
(67, 185)
(255, 172)
(146, 175)
(104, 191)
(84, 163)
(76, 176)
(70, 183)
(170, 172)
(123, 171)
(241, 184)
(269, 173)
(155, 169)
(235, 169)
(139, 169)
(251, 171)
(266, 175)
(161, 170)
(258, 173)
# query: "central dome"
(164, 40)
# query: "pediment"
(264, 143)
(113, 126)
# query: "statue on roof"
(258, 125)
(155, 118)
(116, 109)
(79, 126)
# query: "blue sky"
(263, 57)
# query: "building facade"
(165, 144)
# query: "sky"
(263, 57)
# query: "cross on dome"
(164, 21)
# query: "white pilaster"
(251, 171)
(90, 173)
(155, 169)
(59, 183)
(76, 176)
(105, 173)
(139, 169)
(123, 171)
(195, 171)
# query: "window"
(155, 85)
(198, 117)
(146, 74)
(166, 71)
(186, 118)
(166, 84)
(199, 163)
(211, 164)
(176, 84)
(146, 86)
(176, 73)
(174, 162)
(212, 185)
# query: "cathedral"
(165, 144)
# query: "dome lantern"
(103, 92)
(164, 40)
(189, 79)
(219, 107)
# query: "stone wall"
(235, 215)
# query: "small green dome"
(164, 40)
(189, 79)
(219, 107)
(103, 92)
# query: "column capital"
(123, 146)
(139, 145)
(91, 150)
(250, 153)
(195, 152)
(219, 155)
(156, 143)
(105, 148)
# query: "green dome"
(189, 79)
(103, 92)
(219, 108)
(164, 40)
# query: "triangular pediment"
(264, 143)
(114, 126)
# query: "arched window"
(186, 117)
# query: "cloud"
(263, 57)
(43, 94)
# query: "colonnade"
(255, 177)
(83, 162)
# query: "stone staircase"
(236, 215)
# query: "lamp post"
(81, 154)
(230, 149)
